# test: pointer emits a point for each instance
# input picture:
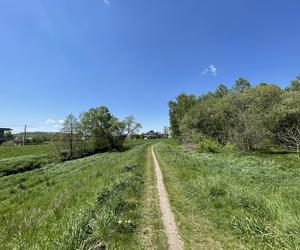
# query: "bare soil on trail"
(174, 241)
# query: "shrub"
(8, 144)
(128, 168)
(229, 148)
(206, 145)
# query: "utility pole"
(24, 136)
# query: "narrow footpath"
(174, 241)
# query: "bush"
(206, 145)
(229, 148)
(8, 144)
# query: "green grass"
(16, 151)
(18, 159)
(233, 201)
(76, 204)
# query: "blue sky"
(60, 56)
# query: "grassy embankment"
(19, 159)
(232, 200)
(105, 198)
(24, 158)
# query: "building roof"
(5, 129)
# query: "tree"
(127, 127)
(251, 118)
(69, 133)
(101, 126)
(221, 91)
(241, 85)
(166, 132)
(249, 133)
(177, 110)
(130, 126)
(105, 130)
(295, 84)
(8, 136)
(291, 138)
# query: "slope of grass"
(20, 159)
(233, 201)
(16, 151)
(76, 204)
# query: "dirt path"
(174, 240)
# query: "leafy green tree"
(106, 131)
(241, 85)
(101, 126)
(249, 133)
(250, 117)
(221, 91)
(127, 127)
(130, 126)
(177, 110)
(295, 84)
(70, 133)
(8, 136)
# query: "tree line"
(96, 130)
(248, 117)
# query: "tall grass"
(59, 206)
(231, 200)
(16, 151)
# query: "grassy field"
(16, 151)
(233, 201)
(24, 158)
(221, 201)
(19, 159)
(79, 203)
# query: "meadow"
(233, 200)
(16, 151)
(15, 159)
(81, 203)
(229, 200)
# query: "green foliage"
(295, 84)
(104, 130)
(177, 110)
(241, 85)
(96, 131)
(229, 148)
(206, 145)
(221, 91)
(250, 117)
(8, 136)
(8, 144)
(55, 207)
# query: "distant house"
(152, 135)
(2, 132)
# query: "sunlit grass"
(58, 207)
(234, 200)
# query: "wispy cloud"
(53, 125)
(210, 69)
(107, 2)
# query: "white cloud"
(50, 121)
(210, 69)
(107, 2)
(52, 125)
